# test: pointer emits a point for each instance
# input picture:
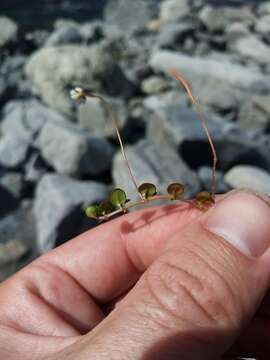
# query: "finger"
(19, 346)
(107, 260)
(64, 285)
(195, 299)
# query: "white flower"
(78, 94)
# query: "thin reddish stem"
(174, 73)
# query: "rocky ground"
(57, 157)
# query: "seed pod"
(106, 208)
(204, 200)
(118, 198)
(147, 190)
(176, 190)
(92, 211)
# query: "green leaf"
(92, 211)
(176, 190)
(147, 190)
(106, 208)
(118, 198)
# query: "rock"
(8, 31)
(173, 34)
(211, 71)
(13, 150)
(13, 182)
(220, 99)
(72, 151)
(176, 125)
(154, 85)
(92, 31)
(17, 239)
(12, 251)
(94, 117)
(58, 208)
(264, 8)
(128, 15)
(35, 168)
(155, 164)
(27, 118)
(68, 34)
(217, 18)
(172, 97)
(205, 177)
(172, 10)
(52, 70)
(235, 31)
(263, 25)
(251, 177)
(254, 113)
(251, 47)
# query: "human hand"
(152, 285)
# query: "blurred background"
(56, 157)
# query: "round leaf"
(176, 190)
(92, 211)
(147, 190)
(118, 198)
(204, 200)
(106, 208)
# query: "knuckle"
(191, 293)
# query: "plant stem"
(111, 114)
(188, 89)
(133, 204)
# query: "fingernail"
(242, 219)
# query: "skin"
(86, 299)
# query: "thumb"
(194, 300)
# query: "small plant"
(117, 202)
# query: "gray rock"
(72, 151)
(58, 208)
(35, 168)
(264, 8)
(27, 118)
(94, 117)
(154, 85)
(17, 239)
(53, 69)
(68, 34)
(254, 113)
(173, 34)
(251, 47)
(92, 31)
(205, 177)
(172, 97)
(176, 125)
(12, 251)
(8, 31)
(263, 25)
(235, 31)
(217, 18)
(13, 182)
(210, 71)
(251, 177)
(155, 164)
(172, 10)
(13, 150)
(220, 99)
(127, 15)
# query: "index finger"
(107, 260)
